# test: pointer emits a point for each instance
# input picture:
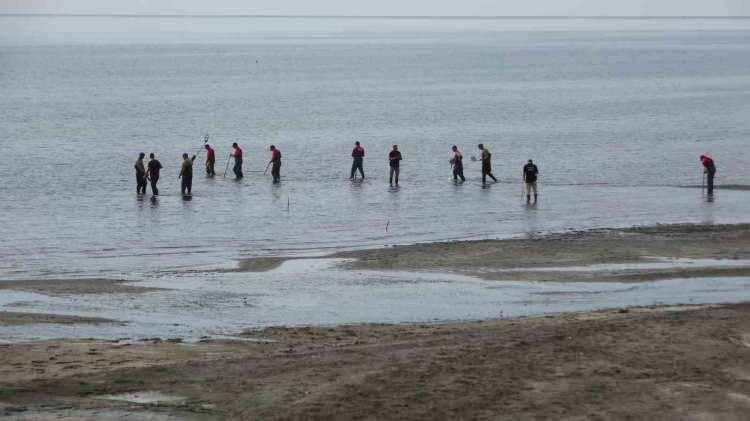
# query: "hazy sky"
(389, 7)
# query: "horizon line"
(191, 15)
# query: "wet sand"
(260, 264)
(9, 318)
(654, 363)
(496, 259)
(73, 286)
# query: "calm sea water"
(615, 113)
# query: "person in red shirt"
(237, 154)
(275, 164)
(358, 155)
(210, 161)
(709, 168)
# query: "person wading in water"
(530, 173)
(237, 155)
(275, 164)
(358, 155)
(709, 168)
(154, 167)
(210, 161)
(140, 174)
(394, 160)
(458, 164)
(186, 174)
(486, 159)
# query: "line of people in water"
(530, 171)
(150, 172)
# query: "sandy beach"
(648, 363)
(659, 362)
(561, 254)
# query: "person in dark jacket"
(709, 168)
(394, 161)
(530, 175)
(154, 167)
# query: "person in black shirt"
(394, 159)
(154, 166)
(530, 173)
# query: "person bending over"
(709, 168)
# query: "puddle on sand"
(318, 292)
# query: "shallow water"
(612, 110)
(317, 292)
(143, 236)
